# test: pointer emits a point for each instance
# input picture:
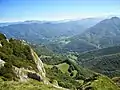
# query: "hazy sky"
(18, 10)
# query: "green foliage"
(99, 52)
(103, 83)
(67, 74)
(105, 61)
(63, 79)
(63, 67)
(83, 80)
(47, 56)
(82, 72)
(29, 85)
(42, 50)
(7, 72)
(79, 45)
(15, 53)
(74, 45)
(53, 59)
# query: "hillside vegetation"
(69, 75)
(21, 68)
(104, 34)
(105, 61)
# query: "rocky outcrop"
(24, 74)
(21, 73)
(1, 63)
(34, 76)
(39, 64)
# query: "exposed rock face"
(0, 45)
(1, 63)
(38, 63)
(24, 74)
(21, 73)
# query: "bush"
(6, 71)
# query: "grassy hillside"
(103, 83)
(63, 67)
(30, 85)
(70, 75)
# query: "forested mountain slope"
(105, 61)
(105, 33)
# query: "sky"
(20, 10)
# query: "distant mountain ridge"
(76, 35)
(105, 33)
(45, 31)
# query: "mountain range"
(76, 35)
(104, 34)
(60, 55)
(46, 31)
